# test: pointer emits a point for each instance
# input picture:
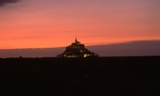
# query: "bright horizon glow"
(55, 23)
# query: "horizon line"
(84, 44)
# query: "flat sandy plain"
(103, 76)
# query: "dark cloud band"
(3, 2)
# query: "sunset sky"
(56, 23)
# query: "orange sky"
(55, 23)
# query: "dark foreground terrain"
(105, 76)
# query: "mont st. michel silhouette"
(76, 50)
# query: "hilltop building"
(76, 50)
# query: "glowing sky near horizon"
(55, 23)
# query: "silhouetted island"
(76, 50)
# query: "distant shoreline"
(82, 57)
